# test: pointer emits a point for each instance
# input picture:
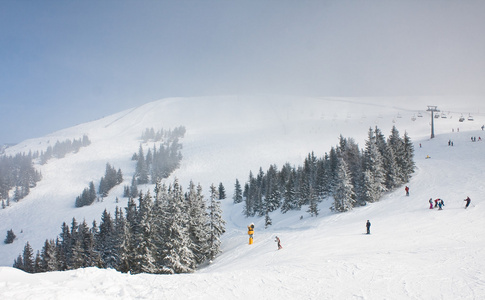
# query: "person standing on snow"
(367, 225)
(279, 243)
(440, 204)
(407, 190)
(430, 203)
(468, 200)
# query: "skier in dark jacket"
(367, 225)
(468, 200)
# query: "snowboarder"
(430, 203)
(279, 243)
(468, 200)
(407, 190)
(367, 225)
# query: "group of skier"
(437, 203)
(440, 203)
(432, 204)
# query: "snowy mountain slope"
(413, 252)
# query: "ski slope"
(412, 253)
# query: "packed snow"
(413, 252)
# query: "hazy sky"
(68, 62)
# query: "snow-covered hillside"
(413, 252)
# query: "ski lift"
(470, 118)
(462, 118)
(399, 116)
(413, 118)
(420, 115)
(443, 115)
(436, 116)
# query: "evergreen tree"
(408, 164)
(198, 223)
(217, 223)
(145, 260)
(141, 168)
(19, 263)
(267, 220)
(28, 259)
(237, 198)
(290, 200)
(222, 192)
(374, 182)
(106, 241)
(38, 263)
(49, 256)
(177, 256)
(10, 237)
(313, 207)
(343, 191)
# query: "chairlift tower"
(432, 109)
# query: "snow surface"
(412, 253)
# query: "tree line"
(18, 173)
(172, 232)
(110, 179)
(156, 164)
(163, 135)
(60, 149)
(347, 174)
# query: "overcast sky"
(68, 62)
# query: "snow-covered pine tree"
(217, 223)
(38, 263)
(397, 144)
(272, 200)
(105, 241)
(313, 205)
(259, 189)
(408, 164)
(237, 198)
(267, 220)
(290, 200)
(10, 237)
(343, 191)
(18, 263)
(177, 256)
(28, 259)
(49, 256)
(222, 192)
(392, 179)
(198, 223)
(141, 168)
(144, 248)
(123, 243)
(374, 182)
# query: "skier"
(407, 190)
(468, 200)
(440, 204)
(430, 203)
(279, 243)
(367, 225)
(436, 202)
